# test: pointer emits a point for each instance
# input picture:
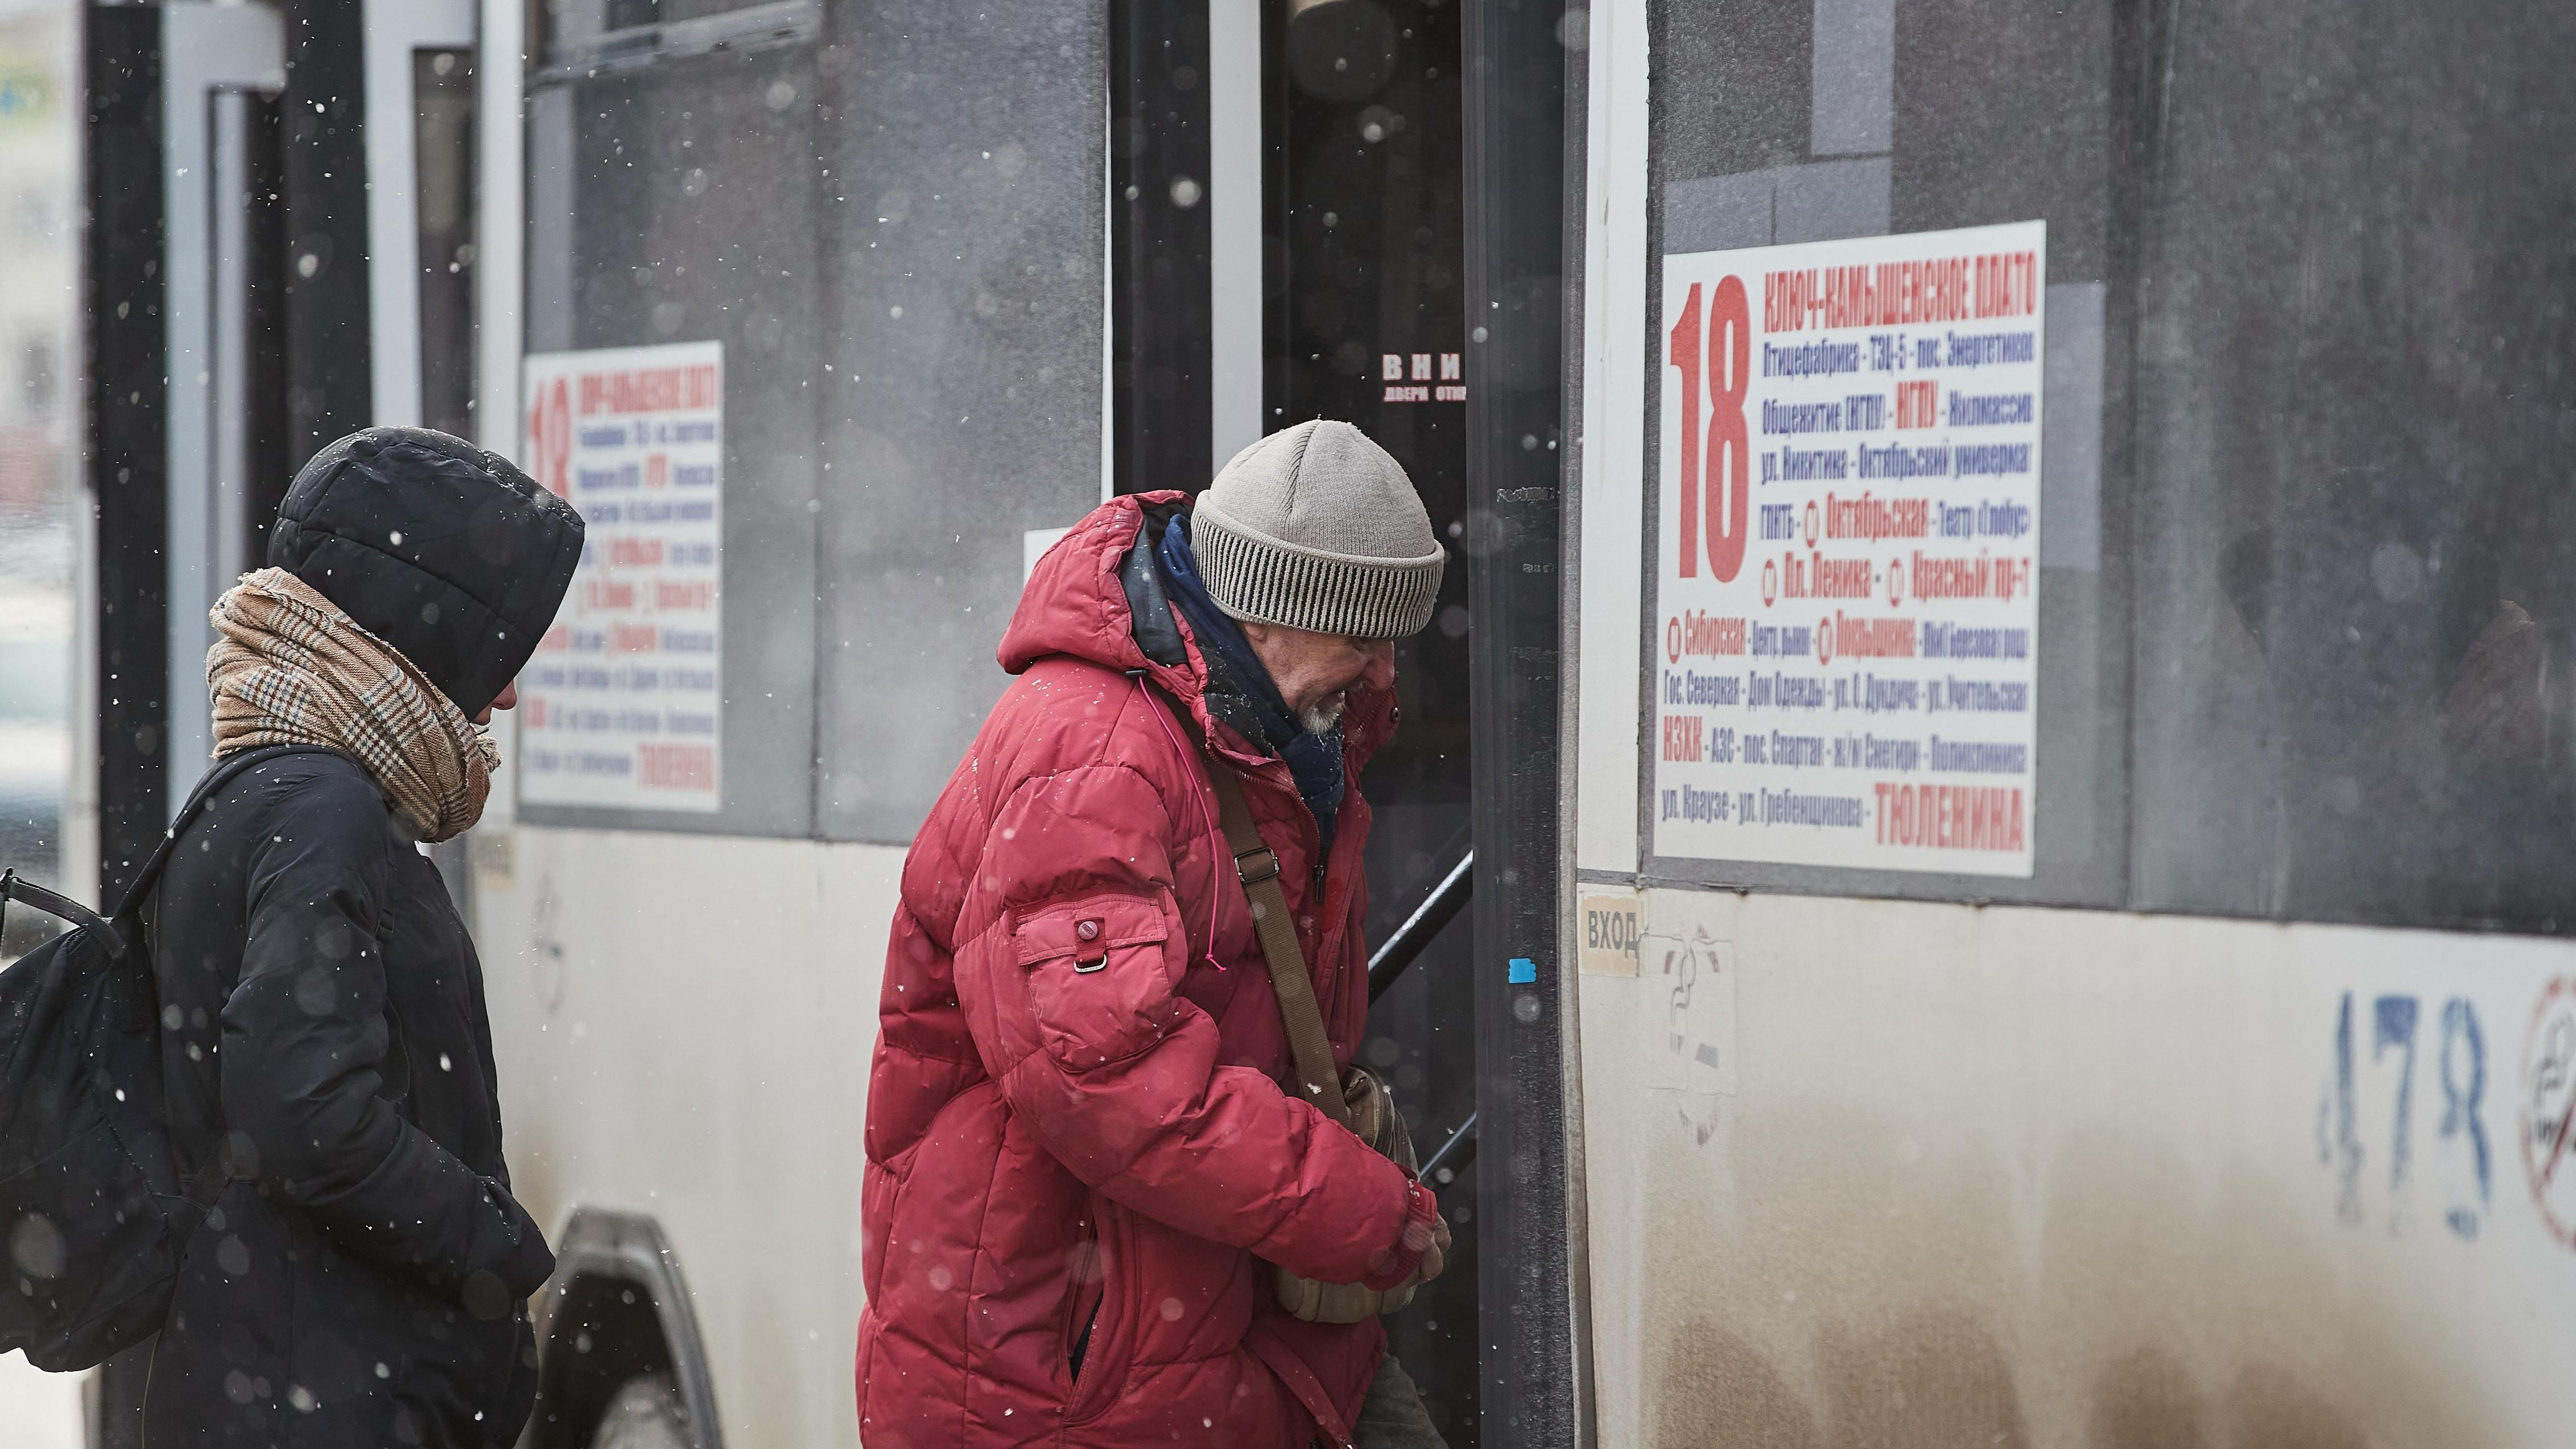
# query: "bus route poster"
(1845, 612)
(622, 706)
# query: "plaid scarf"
(292, 669)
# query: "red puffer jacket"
(1053, 1142)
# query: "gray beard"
(1325, 716)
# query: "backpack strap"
(15, 887)
(215, 779)
(206, 1184)
(1256, 865)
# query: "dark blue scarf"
(1314, 760)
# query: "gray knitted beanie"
(1315, 527)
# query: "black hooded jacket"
(363, 1278)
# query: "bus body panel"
(684, 1026)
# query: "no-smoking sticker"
(2549, 1108)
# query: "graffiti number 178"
(2460, 1065)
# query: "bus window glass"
(2305, 611)
(2357, 543)
(40, 398)
(907, 297)
(689, 212)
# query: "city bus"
(1979, 849)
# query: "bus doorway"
(1295, 168)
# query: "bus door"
(1291, 199)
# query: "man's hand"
(1435, 1257)
(1424, 1243)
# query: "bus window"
(2356, 544)
(2304, 619)
(679, 202)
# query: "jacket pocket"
(1101, 1304)
(1099, 983)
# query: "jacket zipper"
(1328, 913)
(1082, 1305)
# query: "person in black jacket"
(363, 1278)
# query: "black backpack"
(94, 1210)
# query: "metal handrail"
(1455, 1153)
(1438, 909)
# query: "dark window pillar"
(1158, 176)
(329, 362)
(127, 423)
(1529, 1280)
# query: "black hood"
(446, 552)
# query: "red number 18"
(1723, 370)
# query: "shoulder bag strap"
(1256, 865)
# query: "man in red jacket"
(1081, 1163)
